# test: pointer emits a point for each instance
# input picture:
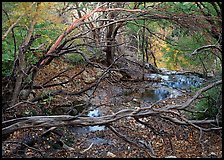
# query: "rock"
(130, 73)
(99, 73)
(136, 100)
(109, 154)
(170, 157)
(116, 75)
(26, 94)
(140, 125)
(151, 68)
(212, 155)
(85, 74)
(210, 75)
(88, 78)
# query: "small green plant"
(30, 58)
(208, 107)
(75, 58)
(48, 100)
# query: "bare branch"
(207, 47)
(75, 24)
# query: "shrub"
(75, 58)
(210, 106)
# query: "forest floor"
(176, 140)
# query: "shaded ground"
(180, 141)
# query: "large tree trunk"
(109, 38)
(20, 63)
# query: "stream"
(171, 85)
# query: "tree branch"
(207, 47)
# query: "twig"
(63, 120)
(198, 93)
(86, 148)
(19, 104)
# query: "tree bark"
(21, 63)
(109, 38)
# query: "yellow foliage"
(156, 45)
(41, 11)
(167, 49)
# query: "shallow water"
(171, 86)
(98, 140)
(178, 81)
(95, 113)
(88, 129)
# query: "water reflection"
(95, 113)
(98, 140)
(87, 129)
(155, 95)
(171, 86)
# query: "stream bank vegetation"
(60, 59)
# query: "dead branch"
(79, 22)
(75, 24)
(62, 92)
(56, 76)
(64, 120)
(10, 28)
(87, 148)
(57, 84)
(198, 93)
(7, 109)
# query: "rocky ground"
(168, 139)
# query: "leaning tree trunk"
(20, 63)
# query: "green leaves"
(135, 26)
(208, 107)
(180, 7)
(7, 57)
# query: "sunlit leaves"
(209, 9)
(174, 58)
(48, 25)
(180, 7)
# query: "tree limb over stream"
(66, 120)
